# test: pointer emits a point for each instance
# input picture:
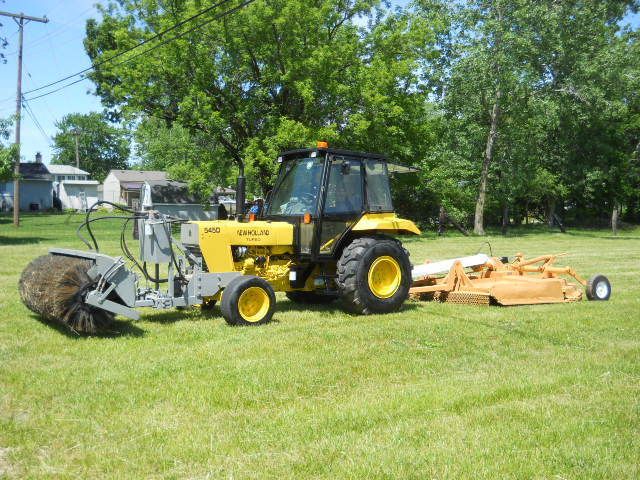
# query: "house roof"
(34, 171)
(138, 175)
(171, 192)
(65, 170)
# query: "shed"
(173, 198)
(123, 186)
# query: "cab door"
(343, 202)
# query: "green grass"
(434, 391)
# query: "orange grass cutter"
(483, 280)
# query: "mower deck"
(491, 281)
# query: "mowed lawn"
(434, 391)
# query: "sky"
(52, 51)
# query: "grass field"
(434, 391)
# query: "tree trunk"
(551, 210)
(614, 218)
(478, 221)
(442, 221)
(505, 218)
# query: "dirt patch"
(7, 469)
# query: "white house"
(73, 187)
(123, 186)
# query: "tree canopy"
(514, 109)
(7, 152)
(102, 146)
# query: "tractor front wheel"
(374, 275)
(248, 300)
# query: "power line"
(29, 111)
(153, 37)
(46, 104)
(81, 79)
(63, 28)
(175, 37)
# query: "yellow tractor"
(327, 233)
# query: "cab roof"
(392, 167)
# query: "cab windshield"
(297, 188)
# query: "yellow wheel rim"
(253, 304)
(385, 277)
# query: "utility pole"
(76, 133)
(19, 18)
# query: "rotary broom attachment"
(54, 287)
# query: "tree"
(102, 146)
(275, 75)
(7, 152)
(588, 66)
(3, 43)
(538, 101)
(185, 156)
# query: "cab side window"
(344, 191)
(378, 193)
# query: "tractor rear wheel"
(374, 275)
(248, 300)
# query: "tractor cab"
(330, 195)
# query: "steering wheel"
(307, 198)
(304, 201)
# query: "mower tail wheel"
(248, 301)
(598, 288)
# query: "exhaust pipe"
(240, 192)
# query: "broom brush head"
(55, 286)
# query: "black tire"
(309, 298)
(353, 271)
(229, 305)
(208, 305)
(598, 288)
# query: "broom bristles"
(54, 287)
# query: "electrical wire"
(29, 111)
(58, 89)
(217, 17)
(63, 28)
(143, 42)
